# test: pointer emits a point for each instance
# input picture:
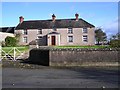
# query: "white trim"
(84, 39)
(68, 39)
(83, 31)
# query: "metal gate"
(13, 54)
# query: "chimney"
(21, 19)
(77, 15)
(53, 18)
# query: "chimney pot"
(53, 17)
(77, 15)
(21, 19)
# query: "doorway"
(53, 40)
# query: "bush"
(10, 41)
(115, 43)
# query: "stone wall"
(75, 57)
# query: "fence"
(13, 54)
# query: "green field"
(10, 50)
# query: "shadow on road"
(103, 74)
(27, 61)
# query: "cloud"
(111, 28)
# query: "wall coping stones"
(76, 49)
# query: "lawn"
(96, 46)
(10, 50)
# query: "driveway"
(76, 77)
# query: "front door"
(53, 40)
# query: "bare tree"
(100, 36)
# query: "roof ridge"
(55, 19)
(59, 23)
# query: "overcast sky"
(100, 14)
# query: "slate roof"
(48, 24)
(7, 29)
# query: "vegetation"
(100, 36)
(10, 41)
(24, 48)
(116, 36)
(115, 41)
(21, 49)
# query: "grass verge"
(10, 50)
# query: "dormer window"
(39, 31)
(85, 30)
(70, 30)
(54, 28)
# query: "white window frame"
(25, 32)
(39, 37)
(39, 31)
(85, 30)
(70, 30)
(85, 38)
(25, 39)
(70, 41)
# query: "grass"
(21, 49)
(96, 46)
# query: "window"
(85, 38)
(39, 31)
(25, 39)
(39, 37)
(70, 30)
(25, 32)
(70, 38)
(85, 30)
(54, 29)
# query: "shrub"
(10, 41)
(115, 43)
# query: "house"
(59, 32)
(6, 31)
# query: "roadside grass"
(10, 50)
(95, 46)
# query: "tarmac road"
(59, 78)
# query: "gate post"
(0, 52)
(14, 54)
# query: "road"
(59, 78)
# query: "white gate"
(16, 54)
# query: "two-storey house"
(59, 32)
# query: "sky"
(100, 14)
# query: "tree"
(100, 36)
(115, 41)
(10, 41)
